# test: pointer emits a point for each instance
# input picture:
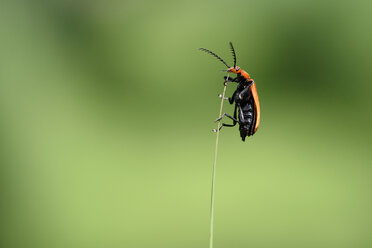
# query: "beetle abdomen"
(246, 123)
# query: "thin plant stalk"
(214, 170)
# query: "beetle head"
(235, 69)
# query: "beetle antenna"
(215, 55)
(233, 52)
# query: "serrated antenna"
(215, 55)
(233, 52)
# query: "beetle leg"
(229, 125)
(241, 115)
(243, 92)
(235, 111)
(225, 98)
(224, 125)
(226, 114)
(231, 99)
(229, 79)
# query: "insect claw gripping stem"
(215, 130)
(218, 119)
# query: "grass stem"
(214, 170)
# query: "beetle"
(247, 106)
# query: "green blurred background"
(106, 116)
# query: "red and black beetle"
(247, 106)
